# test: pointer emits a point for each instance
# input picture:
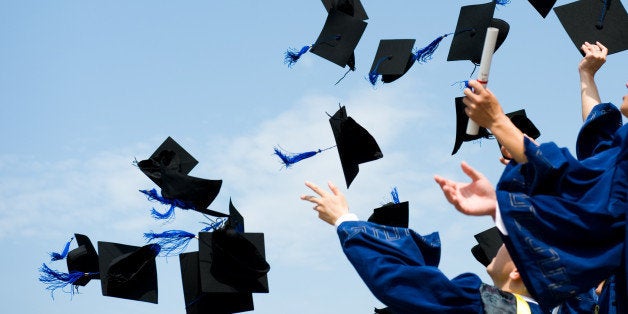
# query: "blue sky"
(88, 86)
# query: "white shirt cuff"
(498, 220)
(346, 217)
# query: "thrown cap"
(198, 192)
(339, 38)
(168, 156)
(355, 144)
(523, 123)
(83, 259)
(461, 127)
(392, 60)
(128, 272)
(489, 242)
(470, 33)
(197, 301)
(604, 21)
(543, 6)
(231, 262)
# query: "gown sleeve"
(596, 134)
(400, 267)
(566, 223)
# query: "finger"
(504, 161)
(602, 47)
(472, 173)
(333, 188)
(310, 198)
(315, 188)
(476, 86)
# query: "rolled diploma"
(485, 66)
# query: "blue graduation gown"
(400, 267)
(566, 217)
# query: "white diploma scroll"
(485, 66)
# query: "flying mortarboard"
(128, 272)
(489, 243)
(394, 214)
(337, 41)
(83, 259)
(393, 59)
(168, 167)
(604, 21)
(169, 155)
(354, 143)
(82, 264)
(523, 123)
(543, 6)
(468, 40)
(197, 301)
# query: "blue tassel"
(395, 195)
(600, 21)
(56, 279)
(171, 242)
(213, 225)
(154, 196)
(502, 2)
(373, 75)
(289, 159)
(54, 256)
(292, 55)
(425, 54)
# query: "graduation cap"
(350, 7)
(355, 146)
(489, 242)
(168, 167)
(604, 21)
(83, 259)
(128, 272)
(543, 6)
(461, 127)
(197, 301)
(169, 155)
(338, 38)
(523, 123)
(468, 40)
(394, 214)
(392, 60)
(82, 264)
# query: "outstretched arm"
(476, 198)
(594, 58)
(330, 207)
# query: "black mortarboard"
(355, 144)
(169, 155)
(128, 272)
(543, 6)
(461, 127)
(231, 261)
(391, 214)
(83, 259)
(490, 241)
(351, 7)
(470, 33)
(393, 59)
(604, 21)
(339, 37)
(197, 302)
